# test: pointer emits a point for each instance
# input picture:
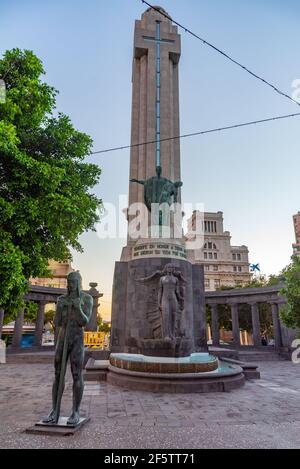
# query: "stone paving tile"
(263, 413)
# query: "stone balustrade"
(233, 298)
(252, 297)
(43, 296)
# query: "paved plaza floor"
(263, 414)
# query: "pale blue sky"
(251, 174)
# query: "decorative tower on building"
(296, 245)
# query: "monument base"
(179, 347)
(57, 429)
(136, 319)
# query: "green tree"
(30, 311)
(102, 326)
(45, 186)
(50, 318)
(290, 312)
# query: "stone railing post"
(92, 325)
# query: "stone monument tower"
(158, 295)
(155, 100)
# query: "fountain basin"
(174, 375)
(194, 363)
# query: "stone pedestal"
(135, 309)
(59, 429)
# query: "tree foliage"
(50, 318)
(102, 326)
(290, 312)
(30, 311)
(45, 185)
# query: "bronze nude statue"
(72, 314)
(165, 309)
(169, 299)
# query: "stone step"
(96, 370)
(32, 358)
(259, 356)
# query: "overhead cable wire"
(203, 132)
(246, 69)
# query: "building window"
(234, 257)
(210, 246)
(215, 255)
(210, 256)
(210, 226)
(217, 283)
(234, 268)
(206, 267)
(216, 268)
(240, 269)
(238, 257)
(207, 283)
(205, 255)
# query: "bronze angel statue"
(166, 302)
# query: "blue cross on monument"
(158, 189)
(158, 40)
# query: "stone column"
(1, 321)
(276, 325)
(235, 325)
(39, 325)
(255, 325)
(215, 332)
(18, 330)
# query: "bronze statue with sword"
(72, 314)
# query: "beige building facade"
(59, 270)
(296, 245)
(224, 264)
